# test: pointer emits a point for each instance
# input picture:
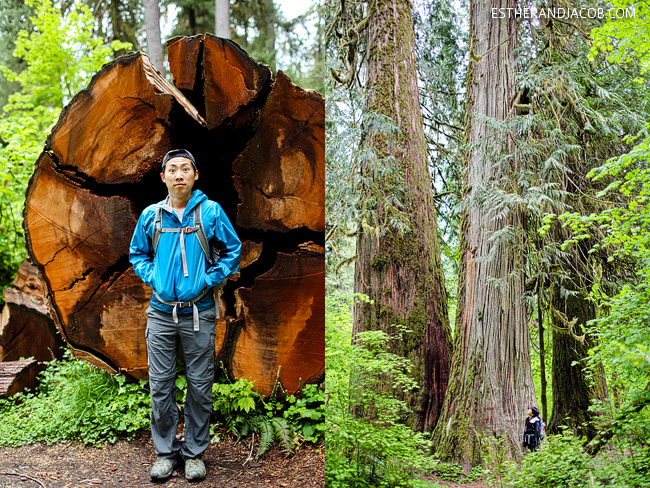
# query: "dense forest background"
(50, 49)
(487, 242)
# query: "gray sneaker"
(162, 469)
(194, 469)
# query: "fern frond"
(232, 428)
(245, 429)
(283, 434)
(266, 436)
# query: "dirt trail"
(126, 464)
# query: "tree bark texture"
(16, 376)
(26, 328)
(222, 18)
(259, 144)
(572, 390)
(152, 28)
(402, 272)
(542, 358)
(491, 385)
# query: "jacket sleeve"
(140, 251)
(230, 249)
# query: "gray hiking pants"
(163, 339)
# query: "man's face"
(179, 177)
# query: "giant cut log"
(26, 328)
(259, 143)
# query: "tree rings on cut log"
(283, 326)
(83, 238)
(229, 79)
(125, 115)
(101, 168)
(278, 178)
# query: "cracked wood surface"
(26, 329)
(100, 169)
(278, 179)
(285, 309)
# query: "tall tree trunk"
(121, 23)
(542, 356)
(222, 18)
(402, 272)
(491, 386)
(191, 19)
(572, 390)
(267, 30)
(152, 27)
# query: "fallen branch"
(250, 454)
(23, 476)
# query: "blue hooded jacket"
(164, 272)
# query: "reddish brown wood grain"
(278, 177)
(283, 324)
(100, 169)
(26, 329)
(74, 235)
(231, 80)
(16, 376)
(121, 105)
(183, 55)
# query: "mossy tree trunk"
(491, 384)
(402, 272)
(542, 358)
(572, 390)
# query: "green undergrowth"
(455, 473)
(368, 444)
(77, 401)
(562, 462)
(289, 420)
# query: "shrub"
(75, 401)
(307, 413)
(561, 462)
(289, 420)
(370, 447)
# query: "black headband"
(178, 153)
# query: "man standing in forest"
(174, 250)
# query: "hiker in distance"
(533, 429)
(183, 247)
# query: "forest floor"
(126, 464)
(439, 482)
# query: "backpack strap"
(190, 304)
(200, 234)
(211, 254)
(157, 230)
